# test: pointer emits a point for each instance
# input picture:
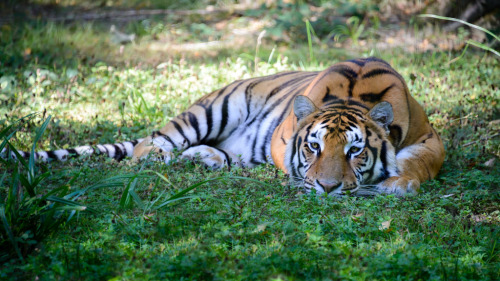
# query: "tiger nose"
(328, 186)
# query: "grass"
(255, 228)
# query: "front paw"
(209, 156)
(399, 186)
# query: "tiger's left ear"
(303, 106)
(382, 114)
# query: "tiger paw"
(212, 157)
(154, 155)
(399, 186)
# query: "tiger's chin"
(398, 185)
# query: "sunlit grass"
(232, 228)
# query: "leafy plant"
(353, 29)
(28, 213)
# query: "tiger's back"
(238, 119)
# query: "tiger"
(351, 129)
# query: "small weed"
(30, 212)
(353, 29)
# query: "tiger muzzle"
(328, 186)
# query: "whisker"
(366, 190)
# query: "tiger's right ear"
(303, 106)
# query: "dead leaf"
(490, 163)
(357, 216)
(149, 217)
(478, 218)
(385, 225)
(447, 195)
(261, 227)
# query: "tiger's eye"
(314, 145)
(354, 149)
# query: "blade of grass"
(18, 155)
(115, 181)
(181, 194)
(461, 21)
(69, 203)
(482, 46)
(38, 136)
(130, 193)
(310, 31)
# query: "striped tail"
(117, 151)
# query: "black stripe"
(119, 155)
(335, 115)
(383, 158)
(350, 118)
(346, 71)
(374, 154)
(210, 123)
(269, 134)
(294, 151)
(165, 137)
(429, 136)
(381, 71)
(351, 75)
(328, 97)
(193, 121)
(134, 142)
(373, 97)
(299, 144)
(179, 129)
(221, 91)
(289, 83)
(50, 154)
(253, 160)
(356, 103)
(342, 104)
(225, 115)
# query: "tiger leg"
(416, 163)
(204, 122)
(212, 157)
(147, 148)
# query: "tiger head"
(340, 148)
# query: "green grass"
(232, 228)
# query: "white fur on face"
(354, 138)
